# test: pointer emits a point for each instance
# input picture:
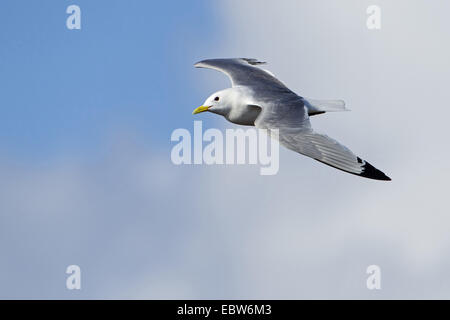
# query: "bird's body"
(258, 98)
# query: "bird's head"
(219, 102)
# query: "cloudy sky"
(86, 176)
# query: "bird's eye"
(216, 99)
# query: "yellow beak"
(200, 109)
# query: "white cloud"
(140, 227)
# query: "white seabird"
(257, 98)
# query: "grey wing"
(295, 133)
(242, 72)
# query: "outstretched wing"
(329, 151)
(242, 72)
(295, 133)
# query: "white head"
(220, 102)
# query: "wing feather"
(242, 72)
(304, 140)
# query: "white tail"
(322, 106)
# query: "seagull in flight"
(257, 98)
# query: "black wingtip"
(253, 62)
(371, 172)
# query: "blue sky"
(86, 176)
(128, 67)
